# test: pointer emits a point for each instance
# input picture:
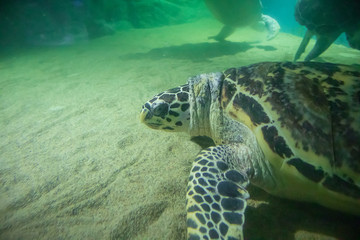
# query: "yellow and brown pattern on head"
(168, 110)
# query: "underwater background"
(75, 162)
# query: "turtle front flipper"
(272, 26)
(224, 33)
(216, 196)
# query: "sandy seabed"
(75, 162)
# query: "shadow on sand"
(198, 52)
(282, 219)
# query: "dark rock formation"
(52, 22)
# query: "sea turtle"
(327, 19)
(240, 13)
(292, 129)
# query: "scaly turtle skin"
(327, 19)
(240, 13)
(292, 129)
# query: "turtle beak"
(145, 113)
(145, 116)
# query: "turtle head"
(169, 110)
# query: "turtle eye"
(161, 110)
